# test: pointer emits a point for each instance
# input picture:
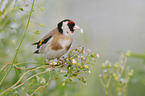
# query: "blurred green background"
(110, 27)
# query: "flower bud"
(63, 84)
(130, 73)
(86, 66)
(128, 53)
(88, 50)
(116, 65)
(74, 61)
(54, 63)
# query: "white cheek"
(65, 26)
(66, 30)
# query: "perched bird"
(58, 41)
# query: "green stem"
(44, 85)
(30, 78)
(1, 2)
(116, 90)
(25, 63)
(124, 65)
(19, 44)
(26, 74)
(21, 79)
(66, 91)
(125, 87)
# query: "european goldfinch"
(58, 41)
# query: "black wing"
(41, 42)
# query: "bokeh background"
(110, 27)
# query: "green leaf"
(37, 32)
(43, 9)
(13, 41)
(70, 79)
(79, 78)
(14, 20)
(21, 9)
(93, 55)
(43, 25)
(83, 80)
(130, 73)
(75, 74)
(65, 75)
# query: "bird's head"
(67, 26)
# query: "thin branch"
(19, 44)
(44, 85)
(15, 65)
(30, 78)
(72, 50)
(25, 63)
(86, 59)
(18, 84)
(24, 68)
(22, 78)
(4, 66)
(26, 74)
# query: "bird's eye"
(66, 31)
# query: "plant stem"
(66, 91)
(21, 79)
(19, 44)
(45, 84)
(30, 78)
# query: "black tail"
(36, 52)
(35, 43)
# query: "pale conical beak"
(76, 27)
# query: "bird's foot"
(62, 62)
(49, 63)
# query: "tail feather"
(36, 52)
(35, 43)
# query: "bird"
(58, 41)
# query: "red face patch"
(71, 22)
(71, 25)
